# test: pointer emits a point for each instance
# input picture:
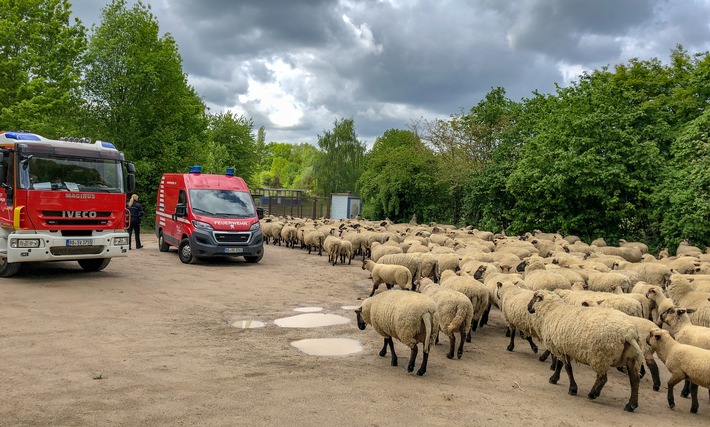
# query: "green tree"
(683, 199)
(137, 95)
(40, 66)
(232, 137)
(399, 179)
(340, 163)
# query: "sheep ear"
(691, 310)
(358, 310)
(499, 285)
(600, 301)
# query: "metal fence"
(280, 202)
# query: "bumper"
(204, 245)
(55, 247)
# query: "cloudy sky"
(295, 66)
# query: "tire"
(185, 253)
(162, 246)
(9, 269)
(256, 258)
(96, 264)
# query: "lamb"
(473, 289)
(410, 317)
(411, 261)
(389, 274)
(683, 295)
(662, 302)
(455, 313)
(514, 306)
(346, 251)
(331, 244)
(683, 362)
(596, 337)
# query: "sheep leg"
(686, 389)
(545, 354)
(507, 332)
(558, 369)
(694, 398)
(413, 359)
(598, 386)
(533, 347)
(511, 346)
(374, 288)
(422, 369)
(484, 317)
(655, 377)
(674, 379)
(462, 334)
(634, 381)
(572, 384)
(468, 336)
(383, 352)
(452, 346)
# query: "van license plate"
(233, 250)
(80, 242)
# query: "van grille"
(232, 237)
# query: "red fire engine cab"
(207, 215)
(61, 200)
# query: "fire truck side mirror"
(130, 167)
(181, 210)
(131, 183)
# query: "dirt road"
(150, 341)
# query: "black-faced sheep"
(389, 274)
(597, 337)
(683, 295)
(408, 316)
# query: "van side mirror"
(260, 212)
(181, 210)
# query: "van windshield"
(222, 203)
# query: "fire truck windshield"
(222, 203)
(39, 172)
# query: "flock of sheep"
(600, 305)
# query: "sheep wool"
(408, 316)
(455, 313)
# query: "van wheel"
(8, 269)
(162, 246)
(185, 252)
(97, 264)
(254, 259)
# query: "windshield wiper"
(202, 210)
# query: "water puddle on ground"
(308, 309)
(311, 320)
(247, 324)
(350, 307)
(328, 346)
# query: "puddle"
(308, 309)
(247, 324)
(328, 346)
(350, 307)
(311, 320)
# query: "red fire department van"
(61, 200)
(206, 215)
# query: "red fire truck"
(206, 215)
(61, 200)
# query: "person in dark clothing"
(136, 210)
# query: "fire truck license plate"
(80, 242)
(233, 250)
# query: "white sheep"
(389, 274)
(536, 276)
(408, 316)
(514, 306)
(683, 295)
(593, 336)
(473, 289)
(683, 362)
(455, 313)
(378, 250)
(412, 261)
(662, 302)
(621, 303)
(346, 251)
(604, 282)
(313, 239)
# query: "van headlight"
(201, 225)
(255, 227)
(120, 241)
(24, 243)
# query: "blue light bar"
(21, 136)
(196, 169)
(230, 171)
(107, 144)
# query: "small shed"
(344, 206)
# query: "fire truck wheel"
(8, 269)
(254, 259)
(162, 246)
(185, 253)
(97, 264)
